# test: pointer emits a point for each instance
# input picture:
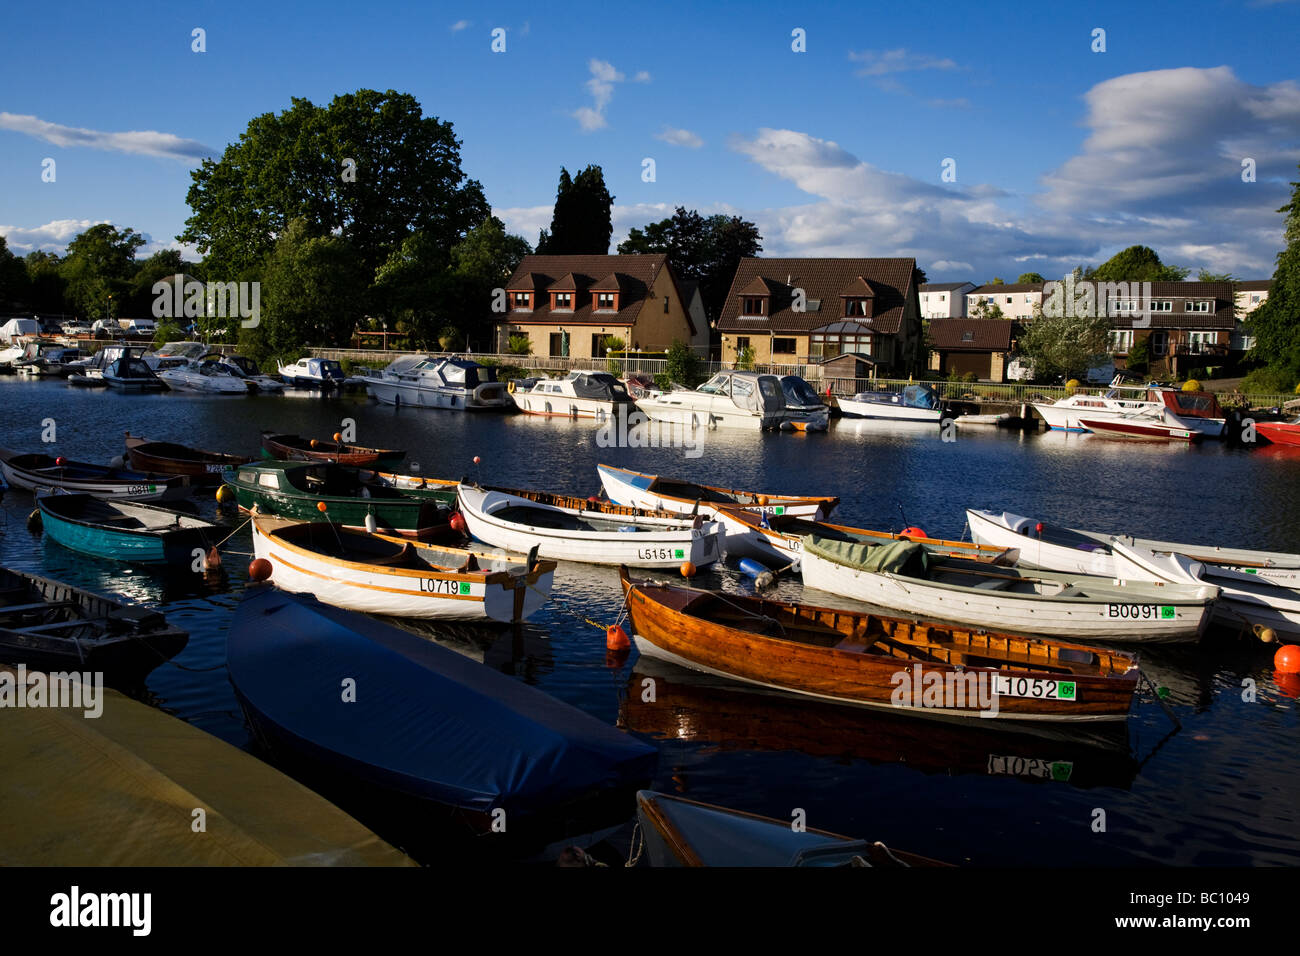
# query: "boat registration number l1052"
(1030, 767)
(1004, 685)
(1143, 612)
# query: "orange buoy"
(477, 459)
(259, 570)
(315, 443)
(457, 522)
(762, 500)
(1287, 659)
(338, 436)
(688, 569)
(616, 638)
(913, 532)
(321, 507)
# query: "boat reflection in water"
(723, 716)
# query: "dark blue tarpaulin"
(426, 721)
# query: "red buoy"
(1287, 659)
(477, 459)
(913, 532)
(593, 499)
(60, 461)
(457, 522)
(259, 570)
(1039, 528)
(616, 638)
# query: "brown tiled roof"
(611, 283)
(824, 280)
(1254, 285)
(566, 283)
(635, 276)
(988, 335)
(759, 286)
(993, 288)
(1220, 315)
(858, 288)
(943, 286)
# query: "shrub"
(166, 333)
(682, 365)
(664, 382)
(745, 359)
(1191, 385)
(519, 345)
(1139, 355)
(1267, 381)
(613, 344)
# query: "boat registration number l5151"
(661, 554)
(1142, 612)
(1005, 685)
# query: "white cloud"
(642, 76)
(460, 25)
(55, 235)
(601, 87)
(680, 137)
(882, 62)
(140, 142)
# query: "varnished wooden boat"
(681, 832)
(639, 490)
(38, 472)
(51, 626)
(876, 661)
(297, 448)
(171, 458)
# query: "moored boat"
(583, 394)
(428, 382)
(804, 409)
(51, 626)
(568, 528)
(657, 493)
(378, 575)
(1280, 433)
(911, 666)
(297, 448)
(1200, 411)
(681, 832)
(126, 531)
(208, 378)
(915, 403)
(325, 374)
(1145, 424)
(37, 472)
(417, 486)
(292, 489)
(426, 724)
(901, 576)
(124, 370)
(247, 369)
(730, 399)
(172, 458)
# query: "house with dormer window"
(1186, 324)
(568, 306)
(805, 311)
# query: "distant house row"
(808, 311)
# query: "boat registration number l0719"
(1005, 685)
(661, 554)
(1142, 612)
(445, 586)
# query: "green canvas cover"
(896, 556)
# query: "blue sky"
(1063, 155)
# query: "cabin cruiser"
(1199, 411)
(209, 377)
(730, 399)
(804, 409)
(915, 403)
(173, 354)
(313, 373)
(243, 367)
(597, 395)
(428, 382)
(119, 366)
(45, 358)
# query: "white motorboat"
(1197, 411)
(427, 382)
(574, 529)
(596, 395)
(915, 403)
(313, 373)
(903, 576)
(243, 367)
(1145, 424)
(636, 489)
(730, 399)
(172, 354)
(208, 377)
(804, 409)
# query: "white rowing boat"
(636, 489)
(378, 575)
(574, 529)
(901, 576)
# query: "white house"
(944, 300)
(1016, 300)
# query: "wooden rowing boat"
(417, 486)
(778, 539)
(52, 626)
(171, 458)
(378, 575)
(681, 832)
(867, 659)
(37, 472)
(297, 448)
(903, 577)
(567, 528)
(126, 530)
(296, 489)
(654, 492)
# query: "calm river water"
(1222, 791)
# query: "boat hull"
(553, 405)
(1134, 431)
(175, 548)
(638, 490)
(888, 411)
(412, 518)
(1279, 433)
(77, 478)
(167, 458)
(273, 446)
(387, 392)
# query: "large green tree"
(1276, 323)
(98, 268)
(1065, 345)
(369, 168)
(46, 285)
(707, 249)
(1029, 278)
(582, 221)
(14, 287)
(1136, 264)
(314, 290)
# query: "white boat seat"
(993, 584)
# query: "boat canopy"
(428, 721)
(748, 390)
(798, 392)
(1191, 404)
(912, 396)
(898, 557)
(598, 385)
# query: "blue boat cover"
(425, 720)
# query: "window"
(563, 300)
(665, 305)
(1029, 298)
(523, 300)
(1121, 340)
(1161, 305)
(1254, 300)
(754, 305)
(1115, 306)
(943, 298)
(598, 349)
(968, 336)
(268, 481)
(742, 343)
(783, 346)
(559, 344)
(1198, 342)
(1197, 305)
(605, 300)
(1009, 298)
(856, 307)
(1160, 343)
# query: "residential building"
(569, 305)
(802, 311)
(960, 346)
(1017, 300)
(1186, 324)
(1250, 295)
(944, 300)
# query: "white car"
(76, 328)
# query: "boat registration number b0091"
(1142, 612)
(1006, 685)
(661, 554)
